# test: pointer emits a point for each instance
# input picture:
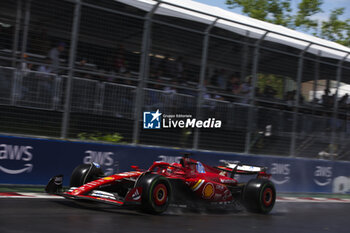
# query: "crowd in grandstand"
(168, 73)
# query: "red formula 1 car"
(189, 183)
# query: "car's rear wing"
(243, 169)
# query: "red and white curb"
(279, 199)
(313, 199)
(28, 195)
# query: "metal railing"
(37, 90)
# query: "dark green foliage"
(279, 12)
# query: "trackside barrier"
(34, 161)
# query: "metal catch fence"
(84, 69)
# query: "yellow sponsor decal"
(108, 178)
(197, 185)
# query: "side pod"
(55, 185)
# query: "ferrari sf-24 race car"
(189, 183)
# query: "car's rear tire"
(259, 196)
(85, 173)
(156, 193)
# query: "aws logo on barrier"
(322, 175)
(104, 158)
(16, 153)
(280, 173)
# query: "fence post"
(296, 99)
(72, 53)
(316, 78)
(144, 71)
(335, 105)
(14, 51)
(245, 54)
(252, 93)
(16, 32)
(25, 28)
(201, 80)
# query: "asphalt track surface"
(60, 215)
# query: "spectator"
(219, 79)
(25, 66)
(327, 100)
(127, 95)
(102, 75)
(301, 99)
(235, 84)
(216, 96)
(206, 95)
(166, 67)
(208, 104)
(343, 101)
(246, 90)
(46, 76)
(54, 55)
(120, 64)
(82, 66)
(169, 89)
(214, 78)
(47, 67)
(128, 81)
(153, 96)
(222, 79)
(154, 64)
(155, 75)
(179, 69)
(25, 70)
(258, 92)
(290, 98)
(316, 101)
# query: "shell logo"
(208, 191)
(76, 191)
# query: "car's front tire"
(85, 173)
(156, 193)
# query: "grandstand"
(277, 91)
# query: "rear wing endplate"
(243, 169)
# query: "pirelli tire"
(156, 193)
(85, 173)
(259, 196)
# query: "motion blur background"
(88, 69)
